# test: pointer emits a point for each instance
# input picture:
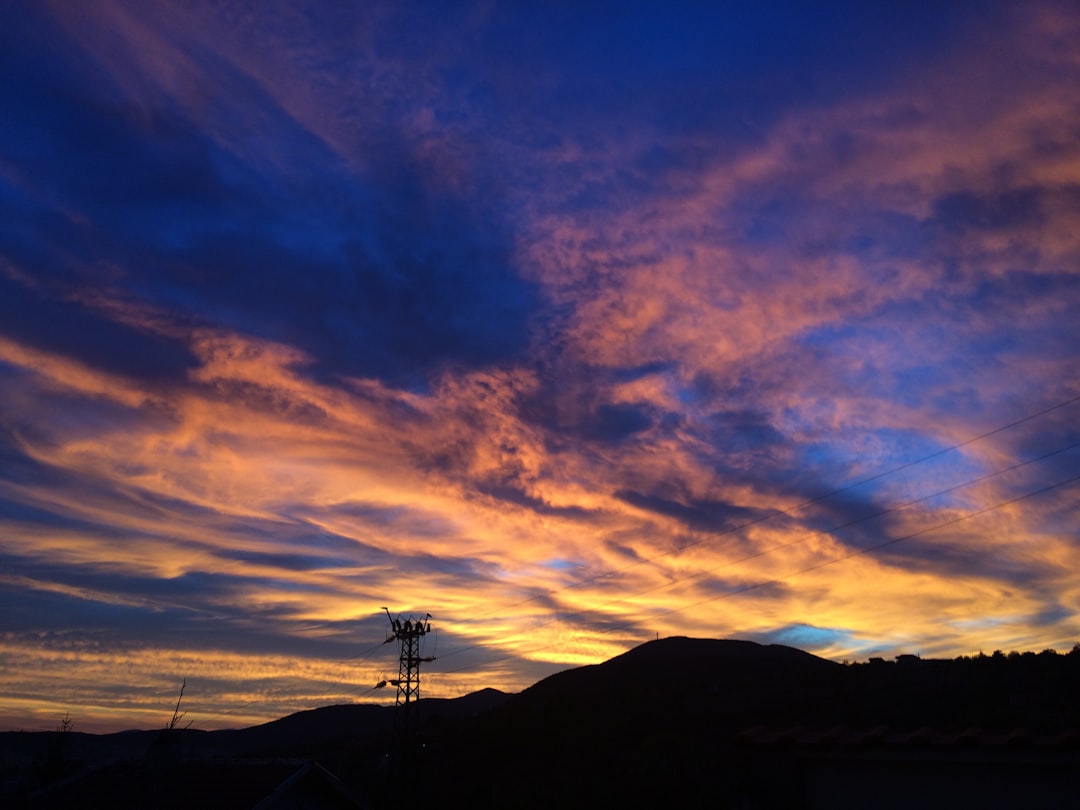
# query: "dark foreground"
(677, 722)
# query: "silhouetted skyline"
(569, 325)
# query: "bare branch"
(177, 714)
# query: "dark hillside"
(669, 722)
(676, 722)
(697, 662)
(663, 713)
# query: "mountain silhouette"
(678, 721)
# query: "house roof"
(312, 777)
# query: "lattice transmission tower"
(408, 632)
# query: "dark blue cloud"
(1023, 290)
(735, 432)
(788, 216)
(374, 273)
(382, 519)
(193, 591)
(32, 318)
(626, 54)
(59, 621)
(27, 514)
(935, 554)
(634, 373)
(964, 210)
(895, 518)
(700, 514)
(703, 81)
(958, 328)
(329, 549)
(33, 612)
(286, 562)
(568, 405)
(18, 467)
(513, 495)
(611, 424)
(1051, 615)
(74, 146)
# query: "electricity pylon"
(409, 633)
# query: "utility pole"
(409, 633)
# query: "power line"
(730, 563)
(816, 566)
(886, 543)
(787, 513)
(714, 535)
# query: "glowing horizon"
(653, 322)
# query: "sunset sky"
(571, 324)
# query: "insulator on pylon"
(408, 632)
